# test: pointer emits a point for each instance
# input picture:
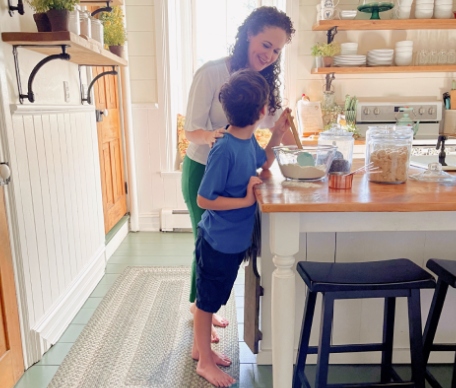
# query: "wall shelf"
(393, 24)
(82, 51)
(384, 69)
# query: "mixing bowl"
(311, 163)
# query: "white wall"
(54, 198)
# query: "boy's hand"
(211, 136)
(250, 196)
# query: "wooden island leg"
(284, 243)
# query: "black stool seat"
(386, 279)
(385, 275)
(446, 272)
(444, 269)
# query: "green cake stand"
(375, 8)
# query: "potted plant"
(114, 33)
(59, 13)
(40, 7)
(324, 53)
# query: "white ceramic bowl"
(443, 7)
(424, 14)
(403, 62)
(404, 43)
(424, 7)
(443, 15)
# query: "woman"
(259, 42)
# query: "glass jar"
(388, 150)
(344, 141)
(97, 30)
(86, 29)
(329, 109)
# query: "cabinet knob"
(5, 174)
(376, 111)
(366, 111)
(421, 111)
(431, 111)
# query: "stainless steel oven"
(427, 110)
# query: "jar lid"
(391, 132)
(336, 131)
(434, 173)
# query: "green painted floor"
(174, 249)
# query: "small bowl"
(311, 163)
(340, 180)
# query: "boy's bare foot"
(219, 321)
(222, 322)
(214, 375)
(218, 358)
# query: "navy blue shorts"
(215, 275)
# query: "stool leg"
(433, 317)
(388, 335)
(304, 339)
(416, 339)
(327, 313)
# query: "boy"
(226, 192)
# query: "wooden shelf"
(82, 51)
(384, 69)
(405, 24)
(101, 2)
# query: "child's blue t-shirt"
(230, 165)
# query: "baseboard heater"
(172, 220)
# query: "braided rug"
(141, 336)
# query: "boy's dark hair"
(256, 22)
(243, 97)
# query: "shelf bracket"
(19, 8)
(30, 96)
(104, 9)
(87, 97)
(330, 77)
(331, 33)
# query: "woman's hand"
(282, 125)
(211, 136)
(250, 196)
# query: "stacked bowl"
(424, 9)
(350, 60)
(402, 9)
(349, 48)
(383, 57)
(443, 9)
(403, 53)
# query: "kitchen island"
(309, 221)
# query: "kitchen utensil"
(406, 121)
(434, 173)
(340, 181)
(295, 131)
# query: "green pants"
(192, 174)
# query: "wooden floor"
(174, 249)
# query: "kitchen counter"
(309, 221)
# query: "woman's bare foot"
(219, 358)
(214, 375)
(214, 335)
(219, 321)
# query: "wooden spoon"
(295, 132)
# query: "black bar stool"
(446, 272)
(387, 279)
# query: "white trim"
(46, 109)
(149, 222)
(145, 106)
(62, 312)
(115, 242)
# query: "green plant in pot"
(324, 53)
(40, 8)
(59, 13)
(114, 34)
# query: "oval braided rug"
(141, 335)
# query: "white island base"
(289, 237)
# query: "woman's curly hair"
(256, 22)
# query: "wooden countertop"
(279, 195)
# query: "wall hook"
(19, 7)
(104, 9)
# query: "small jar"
(86, 28)
(97, 30)
(73, 22)
(388, 152)
(344, 141)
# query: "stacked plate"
(403, 53)
(381, 57)
(349, 60)
(443, 9)
(424, 9)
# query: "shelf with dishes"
(392, 24)
(383, 69)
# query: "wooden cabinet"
(406, 24)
